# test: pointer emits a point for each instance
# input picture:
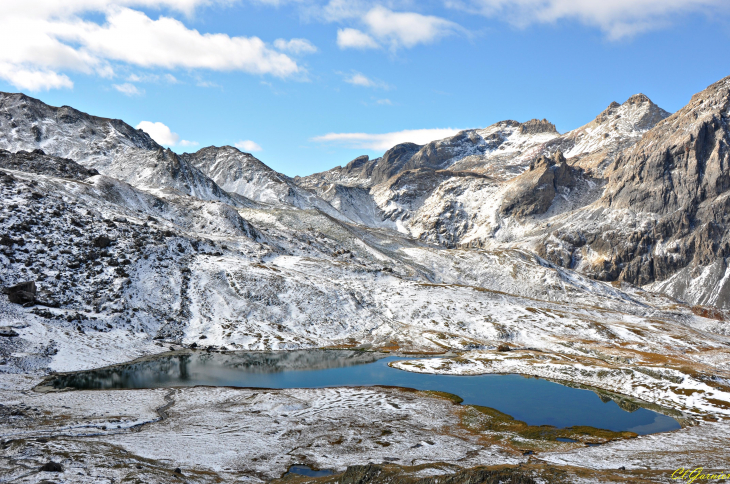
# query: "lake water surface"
(532, 400)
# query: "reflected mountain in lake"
(531, 400)
(212, 369)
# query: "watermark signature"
(697, 474)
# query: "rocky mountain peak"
(64, 131)
(535, 126)
(681, 162)
(357, 163)
(638, 99)
(556, 158)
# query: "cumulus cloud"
(33, 79)
(295, 46)
(358, 79)
(44, 39)
(383, 26)
(248, 145)
(385, 141)
(355, 39)
(407, 29)
(128, 89)
(163, 135)
(618, 18)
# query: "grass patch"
(455, 399)
(485, 419)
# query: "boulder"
(52, 467)
(23, 293)
(102, 242)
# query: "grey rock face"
(681, 163)
(22, 293)
(535, 126)
(673, 186)
(533, 191)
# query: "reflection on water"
(212, 369)
(532, 400)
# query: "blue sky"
(307, 85)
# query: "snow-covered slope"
(594, 146)
(110, 146)
(242, 173)
(27, 124)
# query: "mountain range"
(635, 195)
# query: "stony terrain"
(596, 258)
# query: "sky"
(306, 85)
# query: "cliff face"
(670, 193)
(680, 163)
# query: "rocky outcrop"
(38, 162)
(535, 126)
(533, 191)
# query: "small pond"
(532, 400)
(302, 470)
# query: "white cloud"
(358, 79)
(407, 29)
(132, 37)
(33, 79)
(128, 89)
(248, 145)
(169, 78)
(55, 8)
(384, 102)
(45, 39)
(159, 132)
(295, 46)
(385, 141)
(188, 143)
(618, 18)
(386, 27)
(355, 39)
